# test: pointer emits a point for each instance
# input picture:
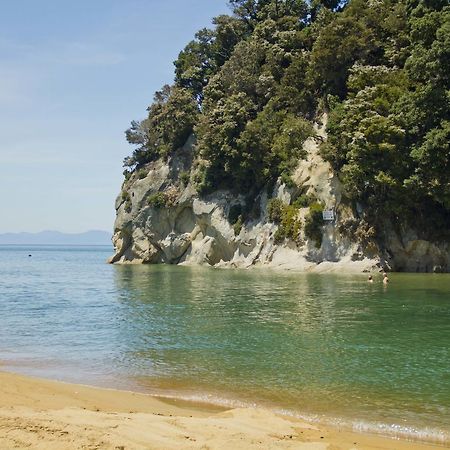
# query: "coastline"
(44, 414)
(292, 265)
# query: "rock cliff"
(161, 220)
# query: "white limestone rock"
(191, 230)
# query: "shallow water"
(325, 347)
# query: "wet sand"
(48, 415)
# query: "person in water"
(385, 278)
(370, 280)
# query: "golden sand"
(47, 415)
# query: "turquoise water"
(325, 347)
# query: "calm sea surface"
(324, 347)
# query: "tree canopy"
(250, 87)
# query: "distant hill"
(93, 237)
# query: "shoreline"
(289, 266)
(344, 267)
(45, 414)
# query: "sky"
(73, 74)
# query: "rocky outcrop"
(408, 252)
(188, 229)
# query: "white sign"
(328, 214)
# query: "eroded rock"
(194, 230)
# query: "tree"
(196, 63)
(170, 121)
(339, 45)
(250, 87)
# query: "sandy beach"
(41, 414)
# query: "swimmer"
(370, 280)
(385, 278)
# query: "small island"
(305, 137)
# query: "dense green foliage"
(250, 87)
(286, 216)
(289, 224)
(389, 137)
(169, 124)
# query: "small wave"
(427, 434)
(396, 431)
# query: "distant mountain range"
(93, 237)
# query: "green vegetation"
(127, 200)
(234, 213)
(290, 226)
(168, 125)
(389, 134)
(303, 201)
(275, 208)
(313, 223)
(142, 173)
(164, 199)
(158, 200)
(286, 216)
(250, 87)
(126, 174)
(237, 227)
(184, 177)
(235, 217)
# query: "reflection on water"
(320, 345)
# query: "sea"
(329, 348)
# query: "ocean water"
(330, 348)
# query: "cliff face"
(189, 229)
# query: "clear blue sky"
(73, 74)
